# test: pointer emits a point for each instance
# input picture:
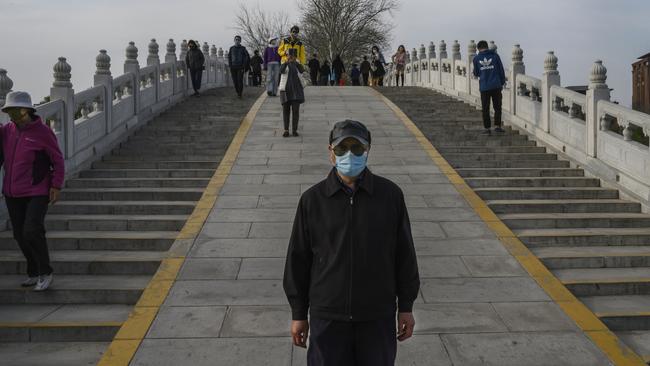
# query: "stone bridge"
(169, 241)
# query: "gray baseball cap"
(349, 128)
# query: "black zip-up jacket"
(351, 257)
(238, 58)
(194, 59)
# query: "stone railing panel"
(567, 119)
(529, 99)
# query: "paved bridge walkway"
(478, 304)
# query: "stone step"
(58, 353)
(76, 289)
(493, 150)
(486, 182)
(123, 208)
(101, 262)
(147, 173)
(157, 143)
(584, 237)
(441, 143)
(132, 194)
(554, 193)
(100, 240)
(158, 158)
(86, 222)
(594, 256)
(621, 313)
(61, 323)
(507, 164)
(575, 220)
(169, 152)
(563, 205)
(189, 128)
(179, 138)
(137, 182)
(477, 139)
(520, 172)
(638, 341)
(605, 281)
(169, 164)
(453, 157)
(155, 132)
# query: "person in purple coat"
(272, 67)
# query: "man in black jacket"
(314, 66)
(239, 63)
(351, 262)
(365, 70)
(194, 60)
(256, 68)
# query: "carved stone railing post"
(103, 77)
(132, 65)
(597, 91)
(153, 59)
(5, 86)
(471, 53)
(517, 67)
(62, 90)
(492, 46)
(170, 56)
(213, 63)
(222, 67)
(455, 55)
(206, 56)
(442, 54)
(184, 48)
(431, 54)
(550, 77)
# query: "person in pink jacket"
(34, 173)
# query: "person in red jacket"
(34, 172)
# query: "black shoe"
(269, 93)
(285, 134)
(295, 134)
(486, 132)
(498, 129)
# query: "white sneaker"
(44, 282)
(29, 282)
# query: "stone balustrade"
(608, 140)
(91, 122)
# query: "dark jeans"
(314, 78)
(238, 79)
(257, 78)
(365, 79)
(196, 76)
(292, 108)
(27, 220)
(339, 343)
(496, 97)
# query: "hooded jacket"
(288, 43)
(489, 69)
(33, 160)
(351, 257)
(239, 58)
(194, 59)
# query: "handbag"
(284, 78)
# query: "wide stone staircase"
(595, 242)
(113, 226)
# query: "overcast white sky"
(35, 32)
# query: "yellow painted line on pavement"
(617, 352)
(125, 344)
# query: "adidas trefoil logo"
(486, 64)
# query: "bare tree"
(256, 26)
(346, 27)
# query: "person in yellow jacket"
(293, 42)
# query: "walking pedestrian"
(314, 66)
(195, 62)
(489, 69)
(256, 68)
(339, 69)
(355, 75)
(325, 72)
(365, 70)
(351, 263)
(292, 93)
(293, 41)
(378, 70)
(272, 67)
(399, 59)
(239, 63)
(33, 179)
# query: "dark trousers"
(237, 79)
(338, 343)
(314, 78)
(496, 97)
(365, 78)
(257, 78)
(355, 82)
(196, 76)
(27, 216)
(291, 108)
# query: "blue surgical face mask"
(351, 165)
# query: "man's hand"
(54, 195)
(300, 332)
(405, 325)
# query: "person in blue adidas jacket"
(489, 69)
